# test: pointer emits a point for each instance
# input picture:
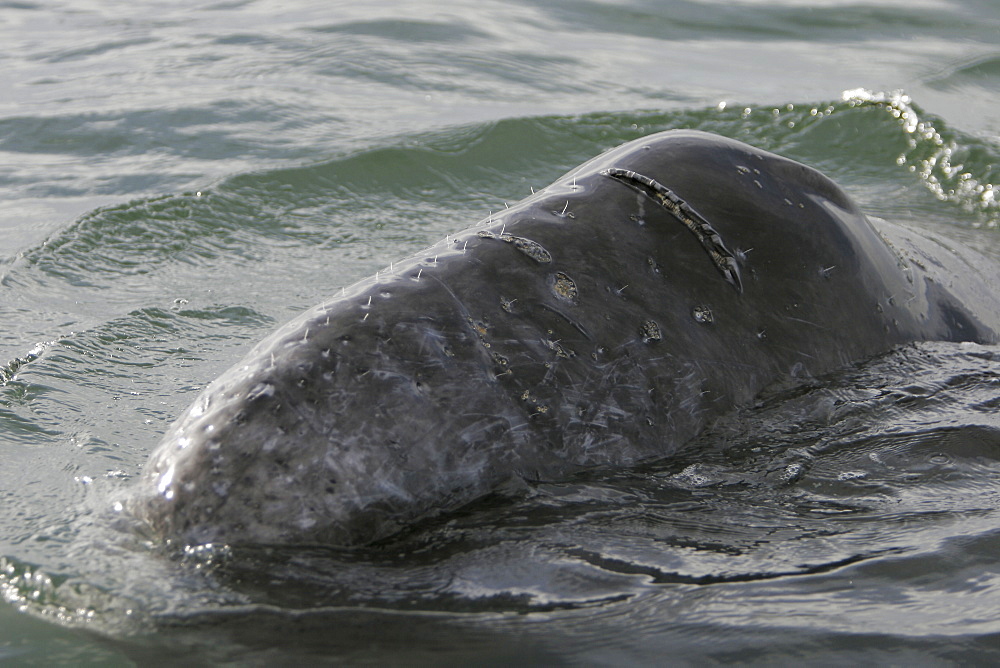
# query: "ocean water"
(177, 179)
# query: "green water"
(177, 181)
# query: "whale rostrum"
(603, 321)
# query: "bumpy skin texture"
(602, 321)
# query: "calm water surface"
(177, 179)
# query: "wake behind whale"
(603, 321)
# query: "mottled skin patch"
(564, 287)
(430, 385)
(682, 211)
(532, 249)
(650, 331)
(702, 314)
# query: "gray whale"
(602, 321)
